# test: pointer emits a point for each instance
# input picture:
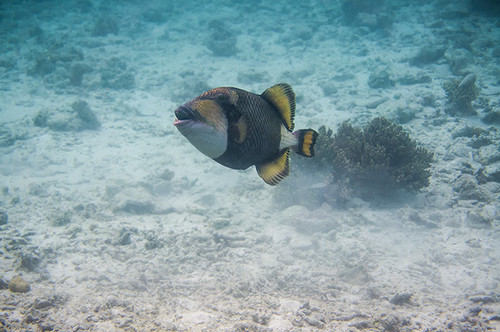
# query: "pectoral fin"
(240, 130)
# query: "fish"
(239, 129)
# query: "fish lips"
(181, 123)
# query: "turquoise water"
(118, 223)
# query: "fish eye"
(184, 113)
(219, 96)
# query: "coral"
(380, 80)
(6, 137)
(377, 163)
(192, 84)
(492, 117)
(7, 63)
(427, 54)
(11, 133)
(375, 160)
(404, 115)
(43, 66)
(154, 15)
(152, 242)
(401, 299)
(467, 188)
(30, 261)
(460, 95)
(116, 76)
(67, 120)
(329, 88)
(351, 8)
(410, 79)
(459, 60)
(61, 218)
(3, 218)
(368, 13)
(124, 237)
(469, 132)
(77, 71)
(104, 26)
(86, 115)
(19, 285)
(40, 119)
(486, 7)
(138, 208)
(3, 284)
(252, 76)
(323, 147)
(55, 55)
(222, 40)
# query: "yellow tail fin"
(307, 139)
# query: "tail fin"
(307, 139)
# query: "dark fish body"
(263, 132)
(239, 129)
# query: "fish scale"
(263, 122)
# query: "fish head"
(203, 122)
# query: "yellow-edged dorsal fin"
(275, 170)
(282, 97)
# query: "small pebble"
(401, 299)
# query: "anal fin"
(275, 170)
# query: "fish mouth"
(180, 123)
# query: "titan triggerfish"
(238, 129)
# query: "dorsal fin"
(282, 97)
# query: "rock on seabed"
(19, 285)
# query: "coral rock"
(461, 94)
(3, 218)
(19, 285)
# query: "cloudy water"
(112, 220)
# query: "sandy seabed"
(117, 223)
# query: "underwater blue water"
(117, 222)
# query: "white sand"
(219, 251)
